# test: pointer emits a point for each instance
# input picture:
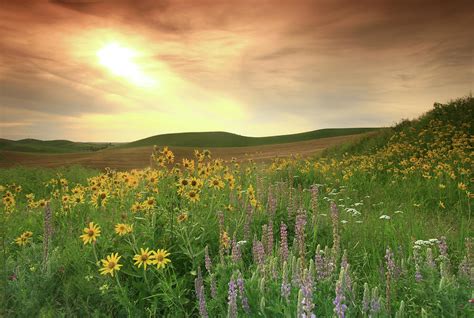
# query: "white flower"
(358, 204)
(359, 221)
(344, 221)
(241, 243)
(398, 211)
(384, 217)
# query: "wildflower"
(144, 258)
(385, 217)
(122, 228)
(232, 299)
(104, 288)
(285, 284)
(207, 259)
(24, 238)
(339, 306)
(160, 258)
(91, 233)
(199, 288)
(224, 240)
(110, 264)
(193, 196)
(216, 183)
(182, 217)
(243, 298)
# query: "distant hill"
(225, 139)
(51, 146)
(190, 139)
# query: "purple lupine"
(306, 287)
(199, 287)
(443, 254)
(213, 287)
(283, 242)
(375, 302)
(299, 231)
(389, 260)
(285, 285)
(236, 252)
(264, 237)
(345, 266)
(207, 260)
(258, 252)
(232, 299)
(339, 301)
(243, 298)
(270, 238)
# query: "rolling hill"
(189, 139)
(225, 139)
(51, 146)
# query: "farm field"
(139, 157)
(375, 225)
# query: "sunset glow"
(119, 61)
(255, 68)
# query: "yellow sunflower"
(160, 258)
(193, 195)
(91, 233)
(110, 264)
(122, 228)
(145, 258)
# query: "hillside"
(51, 146)
(190, 139)
(225, 139)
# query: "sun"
(119, 60)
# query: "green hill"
(51, 146)
(225, 139)
(190, 139)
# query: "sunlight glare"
(119, 61)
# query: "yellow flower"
(225, 240)
(183, 217)
(195, 183)
(24, 238)
(145, 258)
(193, 196)
(216, 183)
(462, 186)
(122, 228)
(441, 205)
(91, 233)
(110, 264)
(160, 258)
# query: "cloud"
(270, 66)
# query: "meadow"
(377, 227)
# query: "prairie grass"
(377, 228)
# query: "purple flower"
(285, 285)
(283, 242)
(306, 288)
(236, 253)
(299, 230)
(207, 260)
(199, 287)
(232, 299)
(243, 298)
(213, 287)
(258, 252)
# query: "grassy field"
(378, 227)
(224, 139)
(139, 157)
(51, 146)
(191, 139)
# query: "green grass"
(225, 139)
(191, 139)
(51, 146)
(416, 173)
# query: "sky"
(122, 70)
